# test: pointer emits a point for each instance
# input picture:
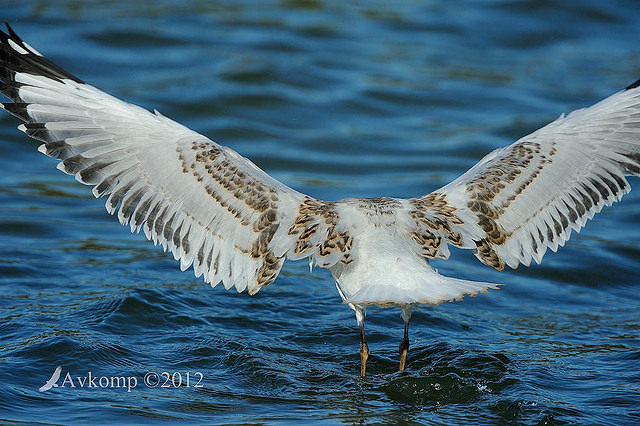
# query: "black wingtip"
(633, 85)
(9, 35)
(17, 56)
(4, 37)
(17, 110)
(12, 33)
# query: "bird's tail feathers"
(433, 290)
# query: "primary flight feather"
(219, 213)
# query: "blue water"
(335, 99)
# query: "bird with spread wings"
(218, 213)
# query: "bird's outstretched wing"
(212, 208)
(520, 200)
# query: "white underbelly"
(387, 271)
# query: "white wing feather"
(520, 200)
(212, 208)
(219, 213)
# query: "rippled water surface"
(335, 99)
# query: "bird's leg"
(404, 347)
(364, 348)
(404, 344)
(364, 352)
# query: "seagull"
(221, 215)
(52, 382)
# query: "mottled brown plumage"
(220, 214)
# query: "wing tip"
(633, 85)
(19, 56)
